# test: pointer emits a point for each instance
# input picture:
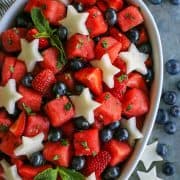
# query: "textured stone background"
(167, 17)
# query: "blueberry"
(149, 76)
(114, 125)
(78, 162)
(27, 80)
(175, 2)
(106, 135)
(54, 135)
(76, 64)
(78, 6)
(173, 66)
(24, 20)
(111, 16)
(111, 173)
(170, 127)
(168, 168)
(59, 89)
(62, 33)
(175, 111)
(81, 123)
(36, 159)
(162, 149)
(121, 134)
(79, 88)
(178, 85)
(96, 39)
(145, 48)
(162, 116)
(170, 97)
(155, 1)
(133, 35)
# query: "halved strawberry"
(115, 4)
(115, 33)
(121, 65)
(149, 62)
(50, 60)
(87, 2)
(36, 124)
(11, 39)
(43, 81)
(110, 109)
(135, 103)
(102, 5)
(119, 151)
(59, 111)
(143, 36)
(53, 10)
(92, 78)
(95, 23)
(80, 46)
(2, 57)
(86, 142)
(97, 163)
(108, 45)
(17, 128)
(58, 153)
(129, 18)
(30, 99)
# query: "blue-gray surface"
(167, 17)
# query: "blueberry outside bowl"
(156, 89)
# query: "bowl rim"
(157, 85)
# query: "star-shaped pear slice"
(107, 68)
(30, 54)
(30, 145)
(75, 22)
(92, 176)
(9, 96)
(134, 59)
(134, 132)
(10, 172)
(85, 105)
(151, 175)
(150, 155)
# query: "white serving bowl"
(151, 26)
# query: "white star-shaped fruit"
(107, 68)
(134, 132)
(75, 22)
(30, 145)
(10, 172)
(85, 105)
(29, 53)
(135, 60)
(151, 175)
(150, 155)
(9, 96)
(92, 176)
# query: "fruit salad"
(74, 89)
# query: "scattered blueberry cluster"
(156, 2)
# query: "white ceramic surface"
(7, 20)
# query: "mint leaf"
(48, 174)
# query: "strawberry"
(2, 57)
(115, 33)
(50, 60)
(135, 103)
(95, 23)
(11, 39)
(43, 81)
(143, 36)
(8, 144)
(31, 99)
(86, 142)
(68, 129)
(119, 151)
(59, 111)
(129, 17)
(136, 80)
(17, 128)
(58, 153)
(102, 5)
(149, 62)
(36, 124)
(92, 78)
(115, 4)
(28, 172)
(80, 46)
(43, 42)
(110, 109)
(119, 63)
(53, 10)
(87, 2)
(97, 163)
(108, 45)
